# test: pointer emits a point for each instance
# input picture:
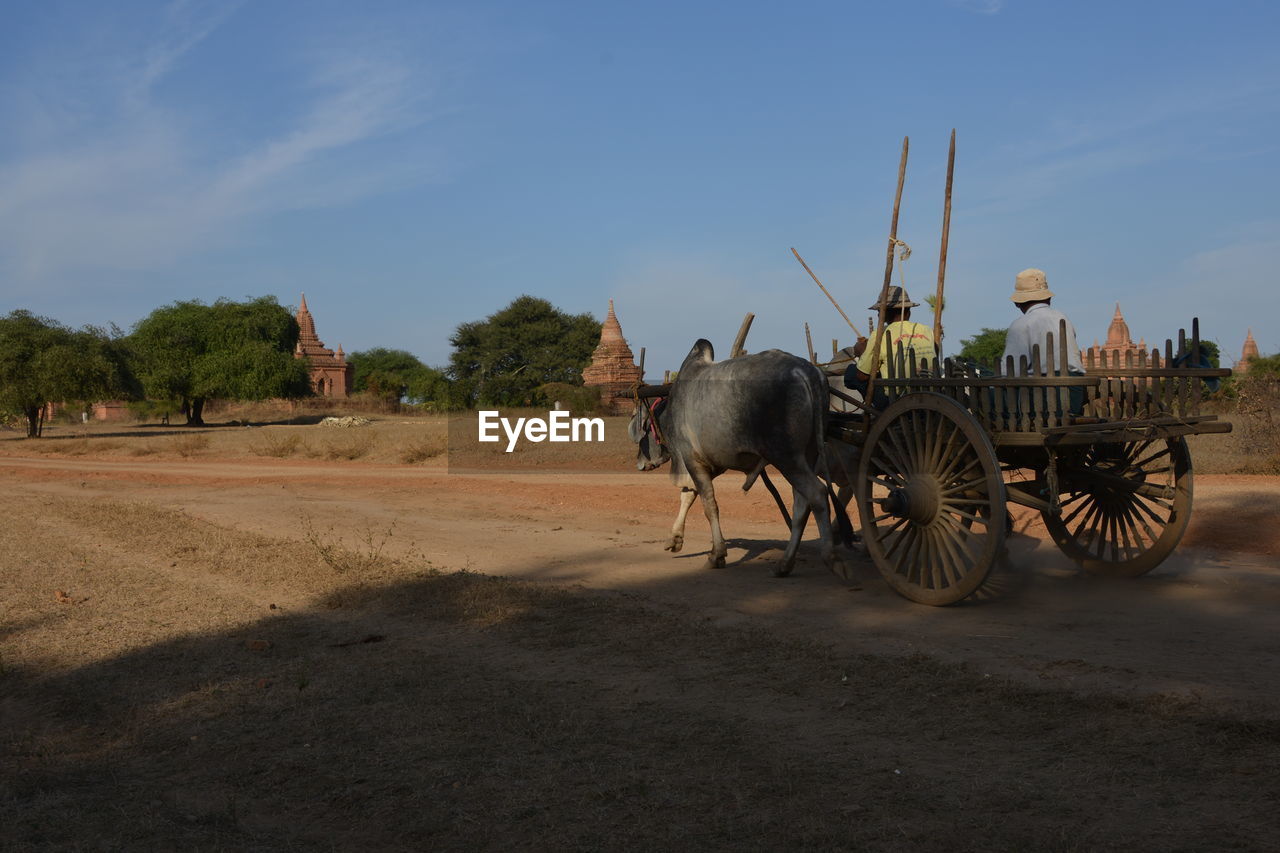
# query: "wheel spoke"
(1141, 502)
(955, 563)
(969, 486)
(908, 466)
(1153, 457)
(976, 519)
(950, 473)
(962, 536)
(888, 484)
(1079, 509)
(901, 537)
(890, 462)
(1139, 519)
(942, 445)
(1080, 532)
(883, 535)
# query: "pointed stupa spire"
(1118, 331)
(612, 368)
(1250, 347)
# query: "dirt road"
(1205, 626)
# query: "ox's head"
(646, 432)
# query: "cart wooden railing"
(1039, 401)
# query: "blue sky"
(414, 165)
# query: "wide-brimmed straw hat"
(1030, 286)
(897, 299)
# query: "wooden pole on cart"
(739, 341)
(888, 271)
(642, 364)
(808, 339)
(827, 292)
(942, 253)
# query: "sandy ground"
(1204, 627)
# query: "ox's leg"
(702, 479)
(687, 497)
(810, 497)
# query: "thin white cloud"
(129, 183)
(186, 23)
(1097, 139)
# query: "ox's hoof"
(783, 570)
(714, 561)
(675, 544)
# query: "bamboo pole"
(808, 339)
(827, 292)
(888, 271)
(641, 364)
(942, 253)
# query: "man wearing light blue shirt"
(1031, 294)
(1038, 322)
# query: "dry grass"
(190, 445)
(420, 450)
(204, 688)
(280, 446)
(351, 445)
(357, 557)
(82, 446)
(398, 441)
(1254, 446)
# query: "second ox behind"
(741, 415)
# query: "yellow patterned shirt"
(916, 339)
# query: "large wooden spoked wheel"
(931, 499)
(1124, 506)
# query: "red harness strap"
(651, 405)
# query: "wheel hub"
(917, 500)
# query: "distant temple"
(331, 376)
(1118, 344)
(613, 369)
(1248, 354)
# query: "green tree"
(985, 348)
(1266, 367)
(192, 352)
(42, 361)
(395, 374)
(1211, 352)
(502, 359)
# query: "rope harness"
(651, 406)
(652, 427)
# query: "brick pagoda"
(1118, 343)
(331, 375)
(1248, 354)
(613, 369)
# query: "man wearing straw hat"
(916, 340)
(1031, 294)
(1040, 324)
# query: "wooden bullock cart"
(939, 465)
(1103, 457)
